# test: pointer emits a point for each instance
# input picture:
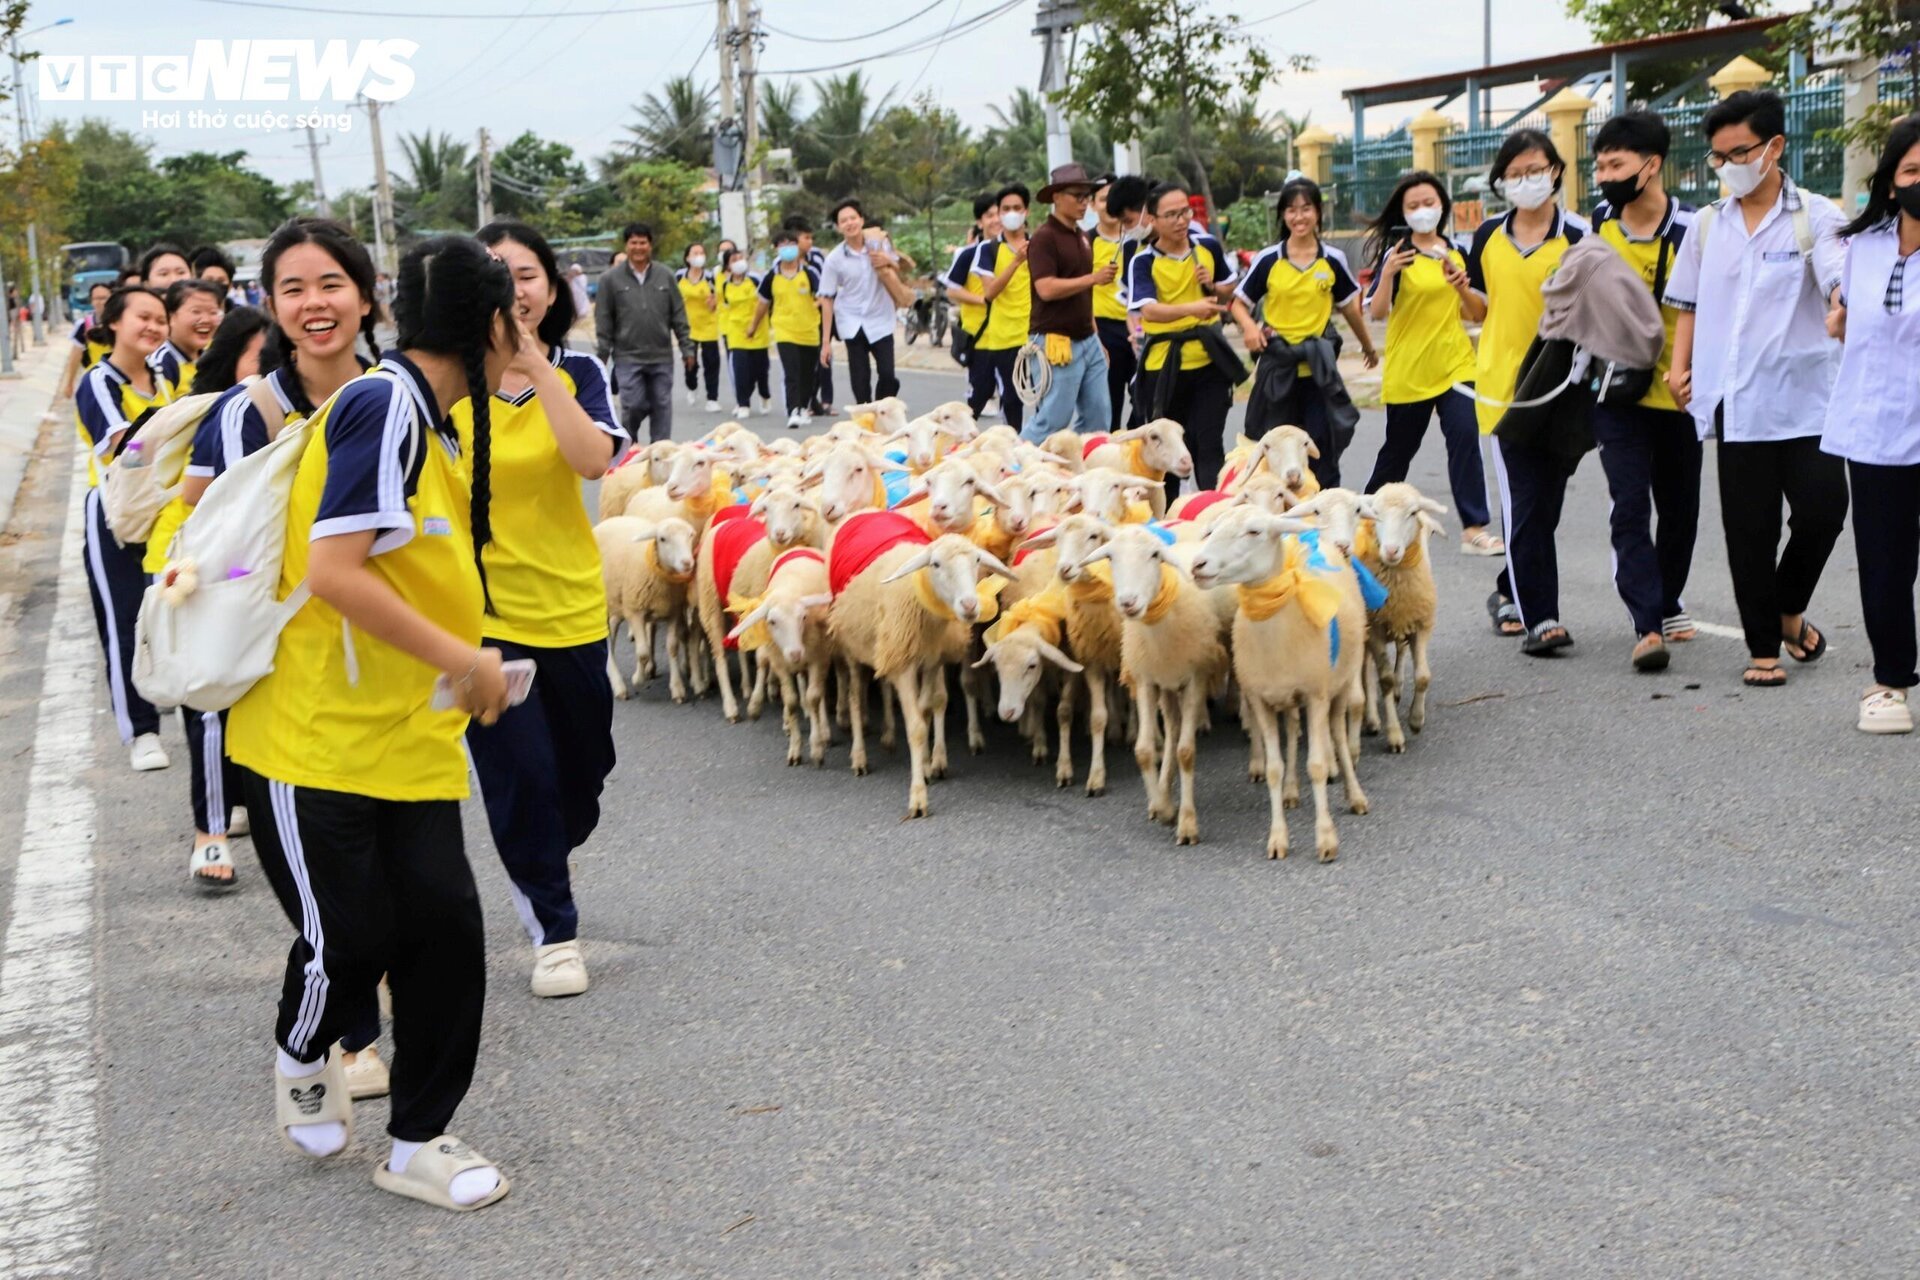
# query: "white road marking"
(48, 1077)
(1715, 629)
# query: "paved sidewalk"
(25, 401)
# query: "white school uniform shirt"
(861, 303)
(1760, 345)
(1874, 413)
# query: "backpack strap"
(267, 405)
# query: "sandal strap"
(438, 1162)
(313, 1099)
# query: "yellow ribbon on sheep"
(989, 588)
(1100, 572)
(1094, 586)
(1138, 512)
(1045, 613)
(1366, 545)
(1134, 451)
(1317, 597)
(757, 635)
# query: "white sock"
(322, 1139)
(467, 1187)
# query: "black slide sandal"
(1504, 613)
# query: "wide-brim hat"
(1067, 175)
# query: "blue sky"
(575, 79)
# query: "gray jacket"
(635, 321)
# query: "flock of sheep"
(887, 550)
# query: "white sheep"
(642, 467)
(793, 615)
(646, 565)
(1093, 632)
(1298, 641)
(1391, 540)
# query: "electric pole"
(483, 178)
(383, 239)
(1056, 18)
(320, 203)
(749, 55)
(723, 43)
(33, 228)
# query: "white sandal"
(207, 856)
(314, 1099)
(1483, 543)
(367, 1076)
(430, 1173)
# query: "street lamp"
(33, 230)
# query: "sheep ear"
(990, 493)
(1431, 507)
(1313, 450)
(810, 479)
(758, 507)
(1101, 553)
(911, 567)
(918, 493)
(898, 435)
(1138, 489)
(1045, 538)
(888, 464)
(818, 600)
(1125, 434)
(1059, 659)
(758, 614)
(647, 534)
(987, 560)
(1428, 525)
(986, 656)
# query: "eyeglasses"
(1182, 214)
(1738, 155)
(1538, 171)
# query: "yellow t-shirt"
(1110, 299)
(796, 311)
(342, 711)
(703, 321)
(960, 273)
(738, 298)
(1427, 348)
(1010, 312)
(1509, 278)
(1644, 256)
(543, 565)
(1155, 276)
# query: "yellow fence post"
(1429, 129)
(1566, 123)
(1316, 154)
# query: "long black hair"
(560, 315)
(1297, 189)
(219, 365)
(339, 244)
(1394, 219)
(1517, 144)
(446, 297)
(109, 315)
(1881, 206)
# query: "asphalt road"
(1617, 978)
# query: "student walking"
(747, 357)
(1649, 450)
(1178, 285)
(355, 790)
(1422, 290)
(1753, 364)
(86, 351)
(1119, 206)
(787, 294)
(996, 278)
(815, 260)
(542, 765)
(114, 395)
(1065, 280)
(1873, 420)
(856, 306)
(194, 311)
(1511, 258)
(1284, 306)
(637, 317)
(702, 301)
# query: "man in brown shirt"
(1060, 262)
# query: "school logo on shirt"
(437, 526)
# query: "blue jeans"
(1079, 390)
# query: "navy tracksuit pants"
(1652, 461)
(541, 768)
(1533, 489)
(117, 583)
(215, 782)
(1407, 426)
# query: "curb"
(25, 402)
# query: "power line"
(1274, 17)
(928, 64)
(914, 47)
(865, 35)
(462, 17)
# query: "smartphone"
(519, 674)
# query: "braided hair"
(446, 297)
(339, 244)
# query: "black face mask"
(1908, 198)
(1621, 192)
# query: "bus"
(88, 263)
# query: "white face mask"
(1013, 221)
(1089, 220)
(1745, 179)
(1529, 192)
(1424, 219)
(1136, 232)
(738, 266)
(697, 262)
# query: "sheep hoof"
(793, 757)
(1188, 831)
(859, 767)
(1063, 778)
(1371, 728)
(1277, 845)
(1157, 812)
(917, 808)
(622, 693)
(1358, 804)
(977, 743)
(680, 698)
(1290, 802)
(1096, 789)
(1329, 845)
(1257, 774)
(733, 716)
(1396, 745)
(1416, 725)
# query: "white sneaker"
(1885, 711)
(559, 970)
(763, 410)
(740, 412)
(793, 420)
(713, 406)
(147, 754)
(806, 419)
(693, 398)
(237, 824)
(367, 1075)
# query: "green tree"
(1885, 30)
(780, 113)
(1248, 157)
(206, 196)
(437, 191)
(542, 182)
(922, 150)
(676, 123)
(1173, 58)
(1612, 21)
(666, 195)
(833, 147)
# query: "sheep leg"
(615, 676)
(1169, 737)
(676, 658)
(1422, 677)
(640, 628)
(1256, 743)
(842, 696)
(757, 698)
(889, 735)
(819, 723)
(1096, 731)
(1389, 692)
(1290, 797)
(1063, 716)
(907, 686)
(1122, 726)
(1147, 721)
(729, 704)
(1370, 684)
(1356, 709)
(1319, 749)
(1266, 729)
(1193, 704)
(1033, 727)
(1343, 755)
(790, 716)
(933, 691)
(853, 687)
(971, 691)
(698, 670)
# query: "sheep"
(646, 565)
(1114, 496)
(1392, 542)
(1093, 628)
(1023, 648)
(1172, 659)
(641, 467)
(932, 436)
(722, 547)
(905, 614)
(1152, 452)
(698, 482)
(792, 519)
(888, 414)
(850, 477)
(1284, 451)
(1298, 640)
(793, 615)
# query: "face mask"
(1135, 233)
(738, 266)
(1529, 192)
(1908, 198)
(1424, 219)
(1013, 221)
(697, 262)
(788, 253)
(1745, 179)
(1089, 220)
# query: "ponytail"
(480, 504)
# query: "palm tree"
(432, 159)
(833, 148)
(1290, 127)
(676, 124)
(1015, 145)
(780, 116)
